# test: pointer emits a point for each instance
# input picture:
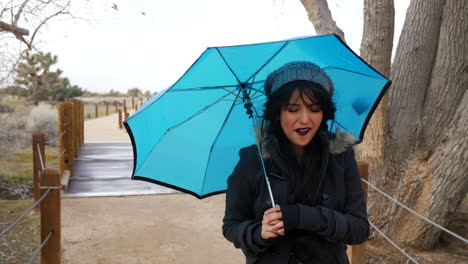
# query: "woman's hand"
(272, 223)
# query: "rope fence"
(40, 157)
(58, 157)
(34, 256)
(4, 232)
(56, 138)
(416, 213)
(49, 181)
(393, 243)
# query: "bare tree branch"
(13, 29)
(47, 19)
(20, 10)
(321, 17)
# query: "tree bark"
(376, 49)
(434, 181)
(410, 73)
(321, 17)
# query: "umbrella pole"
(264, 170)
(248, 106)
(266, 177)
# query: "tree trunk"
(432, 178)
(321, 17)
(410, 74)
(376, 49)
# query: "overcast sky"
(150, 44)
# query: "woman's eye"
(315, 109)
(292, 110)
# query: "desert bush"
(43, 118)
(6, 108)
(13, 134)
(16, 128)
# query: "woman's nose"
(303, 117)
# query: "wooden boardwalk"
(105, 169)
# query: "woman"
(313, 175)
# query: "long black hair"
(303, 176)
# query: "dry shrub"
(43, 118)
(16, 128)
(13, 134)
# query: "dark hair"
(303, 176)
(314, 91)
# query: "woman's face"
(300, 119)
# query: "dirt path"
(168, 228)
(104, 129)
(171, 228)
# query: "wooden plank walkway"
(105, 169)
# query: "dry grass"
(17, 126)
(20, 243)
(16, 173)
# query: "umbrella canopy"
(188, 136)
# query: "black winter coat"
(338, 218)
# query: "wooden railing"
(49, 179)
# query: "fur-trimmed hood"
(339, 141)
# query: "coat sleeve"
(349, 226)
(239, 224)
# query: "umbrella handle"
(269, 191)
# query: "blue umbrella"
(188, 136)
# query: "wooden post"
(72, 130)
(50, 216)
(38, 148)
(357, 253)
(364, 173)
(133, 102)
(116, 103)
(68, 142)
(107, 109)
(61, 129)
(124, 103)
(126, 116)
(120, 119)
(125, 110)
(76, 126)
(79, 121)
(141, 100)
(96, 110)
(82, 118)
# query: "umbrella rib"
(360, 73)
(198, 113)
(216, 139)
(229, 67)
(231, 92)
(269, 60)
(185, 121)
(202, 88)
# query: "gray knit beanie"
(295, 71)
